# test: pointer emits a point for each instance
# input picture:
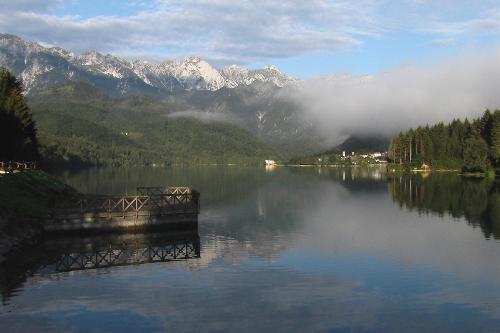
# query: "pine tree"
(391, 152)
(475, 153)
(428, 146)
(18, 139)
(484, 125)
(410, 141)
(495, 138)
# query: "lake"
(277, 250)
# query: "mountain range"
(104, 109)
(42, 67)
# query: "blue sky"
(304, 38)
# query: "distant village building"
(343, 153)
(270, 163)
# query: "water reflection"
(65, 254)
(222, 184)
(121, 252)
(475, 199)
(252, 203)
(295, 249)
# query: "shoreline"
(25, 197)
(26, 213)
(460, 172)
(15, 239)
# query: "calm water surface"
(283, 250)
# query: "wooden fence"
(10, 166)
(163, 190)
(149, 203)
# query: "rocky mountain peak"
(18, 44)
(193, 59)
(62, 52)
(272, 68)
(41, 67)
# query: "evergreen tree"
(410, 142)
(428, 151)
(18, 139)
(473, 146)
(484, 125)
(455, 143)
(400, 149)
(475, 154)
(439, 136)
(495, 138)
(391, 152)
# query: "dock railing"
(11, 166)
(156, 190)
(147, 203)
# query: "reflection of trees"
(271, 210)
(477, 200)
(355, 179)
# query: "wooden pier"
(152, 207)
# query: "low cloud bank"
(404, 97)
(204, 116)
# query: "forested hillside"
(77, 123)
(262, 109)
(471, 145)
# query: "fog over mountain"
(410, 95)
(326, 110)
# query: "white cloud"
(240, 31)
(487, 22)
(243, 31)
(404, 97)
(203, 116)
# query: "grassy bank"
(25, 197)
(28, 194)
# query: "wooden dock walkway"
(151, 207)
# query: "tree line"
(468, 145)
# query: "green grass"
(29, 193)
